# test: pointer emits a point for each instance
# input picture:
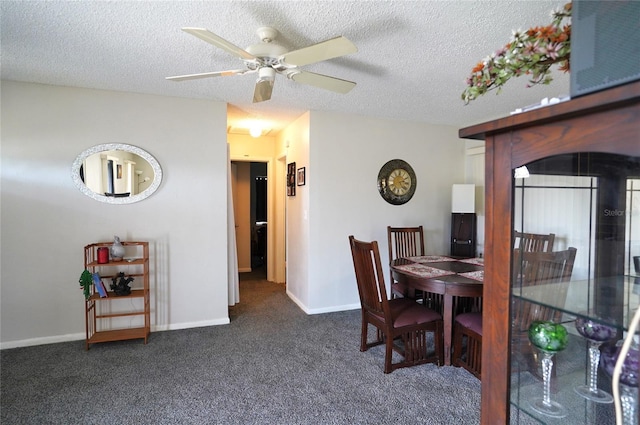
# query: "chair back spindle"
(404, 242)
(541, 268)
(369, 276)
(534, 242)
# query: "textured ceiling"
(412, 59)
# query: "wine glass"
(549, 338)
(596, 333)
(628, 377)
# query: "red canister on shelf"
(103, 255)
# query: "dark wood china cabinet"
(583, 184)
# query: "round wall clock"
(397, 182)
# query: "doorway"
(274, 258)
(250, 199)
(258, 211)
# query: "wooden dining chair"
(402, 324)
(530, 269)
(467, 342)
(552, 269)
(534, 242)
(404, 242)
(540, 268)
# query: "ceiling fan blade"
(209, 74)
(263, 91)
(323, 81)
(209, 37)
(322, 51)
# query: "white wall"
(343, 155)
(474, 174)
(294, 141)
(46, 221)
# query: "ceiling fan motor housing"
(268, 53)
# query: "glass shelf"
(571, 369)
(621, 303)
(594, 215)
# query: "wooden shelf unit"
(98, 311)
(604, 122)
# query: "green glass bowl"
(548, 336)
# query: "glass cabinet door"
(573, 298)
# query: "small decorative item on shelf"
(120, 284)
(549, 338)
(117, 249)
(86, 280)
(99, 286)
(530, 53)
(596, 333)
(628, 377)
(103, 255)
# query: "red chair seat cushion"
(407, 312)
(471, 321)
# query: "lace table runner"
(423, 271)
(476, 261)
(476, 275)
(429, 258)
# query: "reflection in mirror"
(116, 173)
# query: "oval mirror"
(116, 173)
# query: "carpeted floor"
(272, 364)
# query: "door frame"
(275, 214)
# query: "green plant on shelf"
(86, 280)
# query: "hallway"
(256, 274)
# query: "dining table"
(451, 278)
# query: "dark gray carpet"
(272, 365)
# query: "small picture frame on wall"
(302, 176)
(119, 171)
(291, 179)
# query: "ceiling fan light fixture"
(266, 74)
(255, 129)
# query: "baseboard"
(188, 325)
(331, 309)
(41, 341)
(81, 336)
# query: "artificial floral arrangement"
(530, 52)
(86, 280)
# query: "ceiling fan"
(268, 58)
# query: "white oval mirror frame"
(78, 164)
